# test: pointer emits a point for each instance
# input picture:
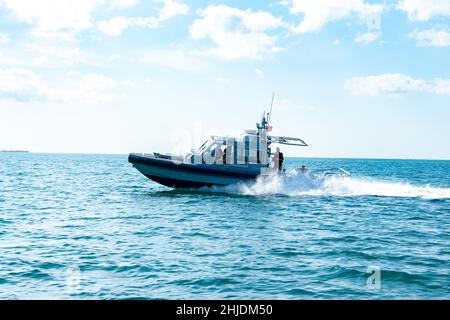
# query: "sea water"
(91, 226)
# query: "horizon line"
(287, 157)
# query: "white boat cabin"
(252, 148)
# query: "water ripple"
(107, 232)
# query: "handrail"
(287, 141)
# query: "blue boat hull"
(176, 174)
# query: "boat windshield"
(204, 146)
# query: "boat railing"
(287, 141)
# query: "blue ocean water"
(91, 226)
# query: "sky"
(353, 78)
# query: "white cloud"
(72, 73)
(98, 81)
(92, 88)
(317, 13)
(368, 37)
(172, 59)
(395, 83)
(221, 78)
(38, 54)
(123, 3)
(114, 57)
(423, 10)
(259, 73)
(127, 83)
(24, 85)
(441, 86)
(60, 36)
(4, 38)
(8, 59)
(171, 9)
(54, 15)
(21, 85)
(63, 19)
(45, 55)
(431, 38)
(236, 33)
(116, 25)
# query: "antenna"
(271, 106)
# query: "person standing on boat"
(224, 157)
(281, 160)
(219, 156)
(278, 159)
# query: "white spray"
(297, 184)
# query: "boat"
(219, 161)
(15, 151)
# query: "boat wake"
(297, 184)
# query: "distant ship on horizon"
(15, 151)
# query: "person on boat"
(224, 159)
(278, 159)
(303, 169)
(219, 156)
